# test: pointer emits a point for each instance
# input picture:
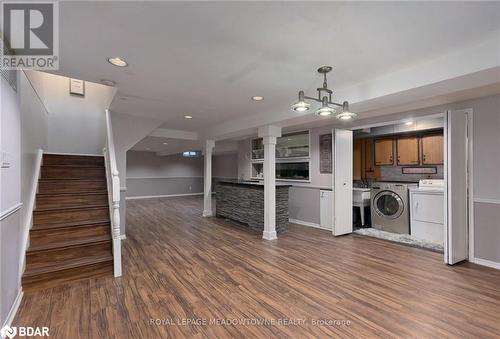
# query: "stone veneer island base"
(244, 202)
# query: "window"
(191, 154)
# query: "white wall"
(225, 166)
(127, 131)
(76, 124)
(10, 199)
(150, 165)
(151, 175)
(34, 136)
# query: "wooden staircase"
(71, 236)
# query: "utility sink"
(360, 195)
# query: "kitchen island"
(243, 201)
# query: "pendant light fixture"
(325, 98)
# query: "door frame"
(470, 197)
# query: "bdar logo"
(8, 331)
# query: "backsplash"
(395, 173)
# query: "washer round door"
(388, 205)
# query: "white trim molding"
(29, 210)
(163, 196)
(308, 224)
(487, 201)
(123, 236)
(123, 189)
(13, 309)
(488, 263)
(11, 210)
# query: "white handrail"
(113, 183)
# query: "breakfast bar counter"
(243, 201)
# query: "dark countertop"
(249, 183)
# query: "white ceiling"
(207, 59)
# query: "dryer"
(390, 206)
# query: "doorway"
(457, 228)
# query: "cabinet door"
(432, 150)
(407, 149)
(357, 159)
(384, 152)
(369, 161)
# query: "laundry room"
(398, 182)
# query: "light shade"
(346, 114)
(301, 106)
(325, 111)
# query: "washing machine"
(390, 205)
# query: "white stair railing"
(113, 184)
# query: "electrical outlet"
(5, 159)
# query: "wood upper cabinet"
(407, 150)
(357, 157)
(384, 152)
(369, 160)
(432, 150)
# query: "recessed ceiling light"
(116, 61)
(108, 82)
(257, 98)
(165, 143)
(188, 117)
(409, 123)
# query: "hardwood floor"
(179, 265)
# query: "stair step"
(74, 270)
(59, 255)
(69, 199)
(63, 159)
(64, 243)
(70, 214)
(71, 185)
(68, 208)
(43, 237)
(71, 234)
(72, 172)
(69, 225)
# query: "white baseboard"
(307, 223)
(14, 308)
(163, 196)
(488, 263)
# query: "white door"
(456, 178)
(342, 181)
(325, 209)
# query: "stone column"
(207, 187)
(269, 135)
